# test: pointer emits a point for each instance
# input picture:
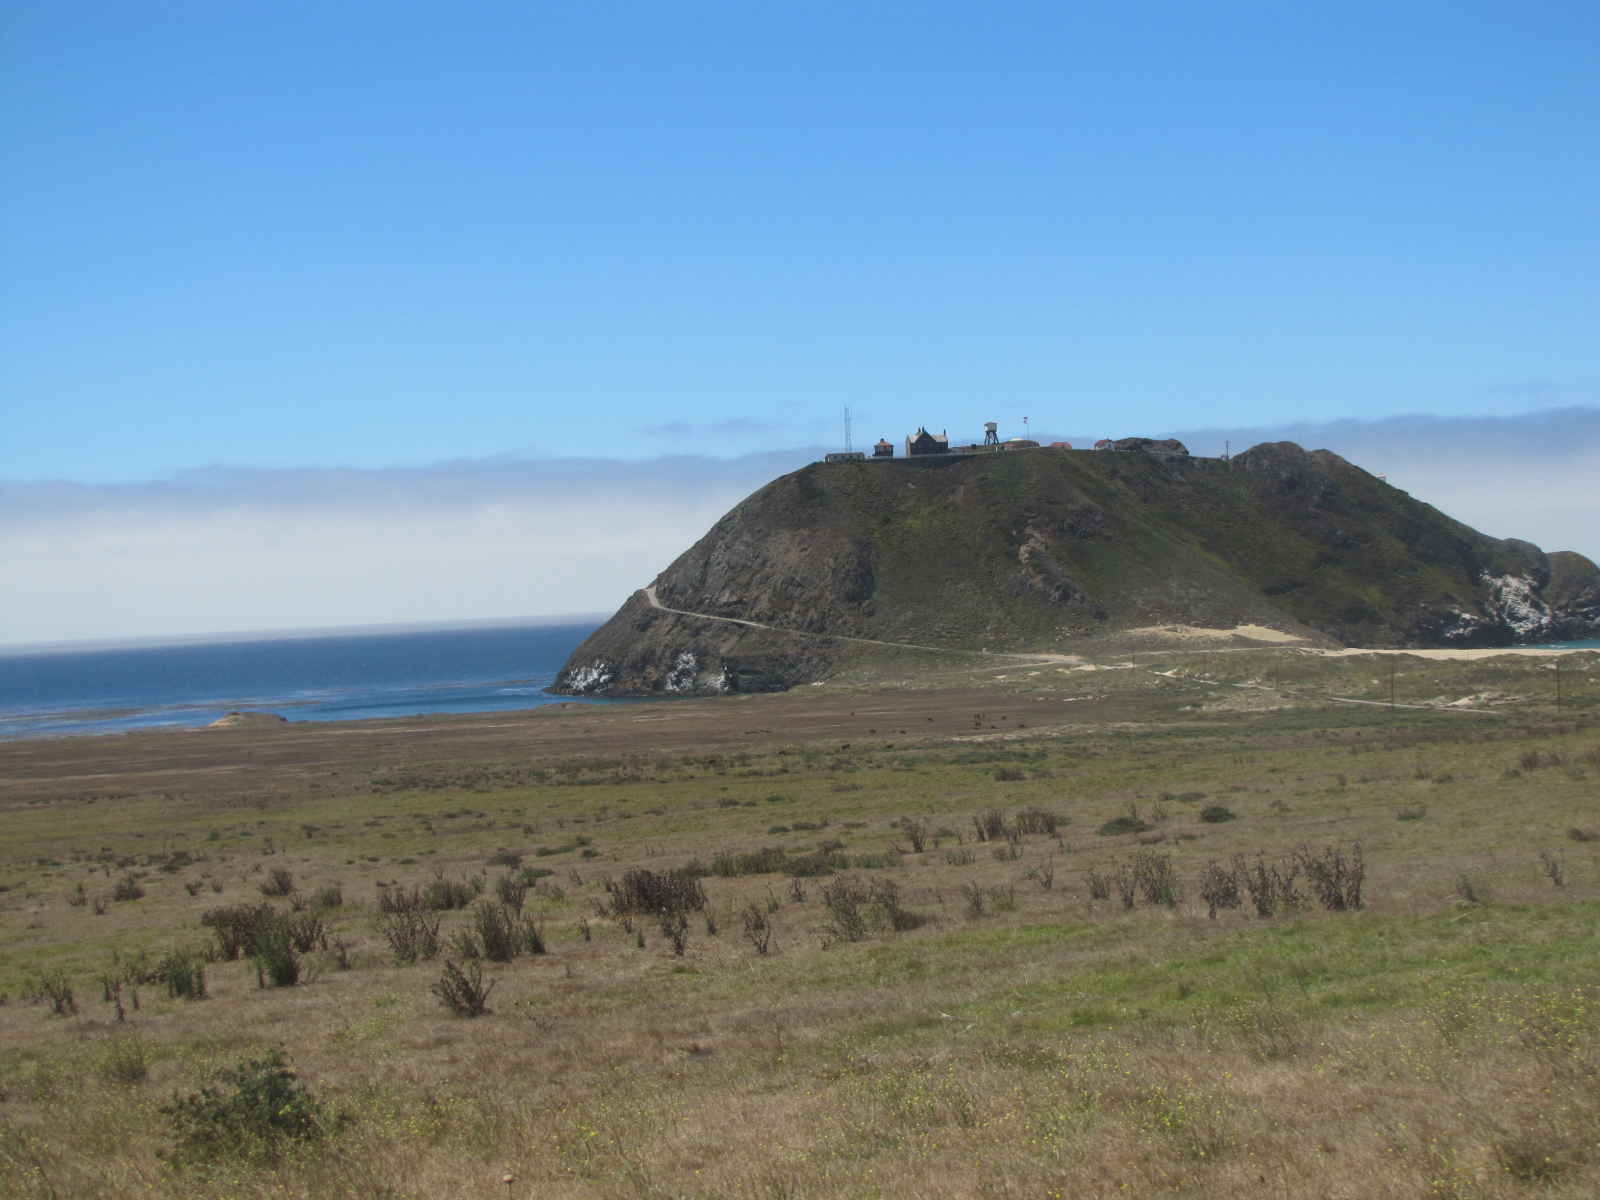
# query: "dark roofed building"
(883, 449)
(922, 442)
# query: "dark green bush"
(412, 933)
(1219, 888)
(443, 894)
(512, 891)
(1335, 876)
(856, 908)
(1216, 814)
(277, 964)
(305, 931)
(279, 882)
(255, 1112)
(238, 928)
(989, 825)
(496, 926)
(772, 860)
(660, 892)
(1036, 821)
(1120, 825)
(464, 992)
(184, 974)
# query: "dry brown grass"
(1421, 1047)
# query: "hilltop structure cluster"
(924, 444)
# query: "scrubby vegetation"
(932, 982)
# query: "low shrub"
(412, 933)
(1271, 887)
(279, 882)
(306, 931)
(989, 825)
(757, 928)
(56, 989)
(916, 833)
(1033, 820)
(660, 892)
(1219, 888)
(127, 888)
(277, 964)
(1216, 814)
(512, 891)
(855, 908)
(1156, 880)
(773, 860)
(1121, 825)
(184, 974)
(238, 928)
(443, 894)
(254, 1113)
(125, 1060)
(675, 928)
(464, 992)
(1334, 876)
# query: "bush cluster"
(856, 908)
(656, 892)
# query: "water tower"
(991, 433)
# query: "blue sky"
(288, 236)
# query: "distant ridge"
(1048, 550)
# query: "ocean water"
(323, 678)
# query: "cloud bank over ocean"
(221, 549)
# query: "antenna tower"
(848, 447)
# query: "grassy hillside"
(1042, 550)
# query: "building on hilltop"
(884, 448)
(922, 442)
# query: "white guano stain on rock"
(591, 678)
(681, 677)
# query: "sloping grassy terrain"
(989, 1017)
(1045, 549)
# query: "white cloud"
(217, 550)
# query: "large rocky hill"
(1049, 549)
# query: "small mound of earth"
(248, 720)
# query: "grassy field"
(972, 983)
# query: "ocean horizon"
(302, 675)
(346, 674)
